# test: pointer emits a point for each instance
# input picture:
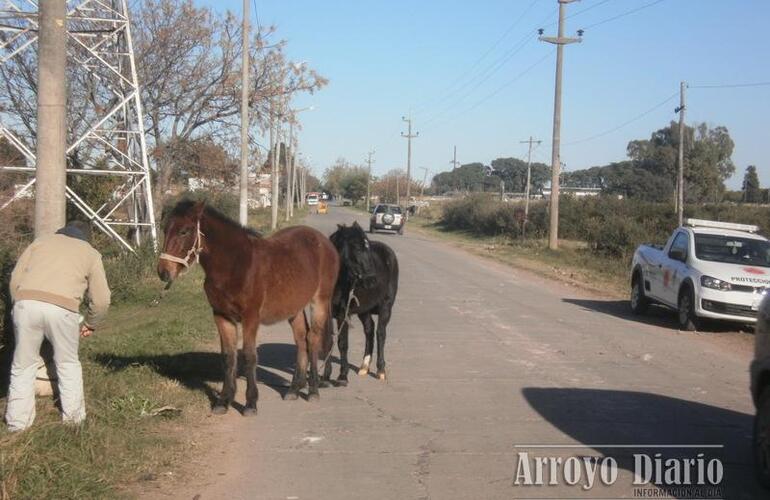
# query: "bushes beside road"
(610, 227)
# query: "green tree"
(751, 190)
(707, 158)
(354, 184)
(514, 172)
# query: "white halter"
(195, 250)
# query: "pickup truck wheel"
(761, 440)
(639, 302)
(686, 313)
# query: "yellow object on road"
(322, 207)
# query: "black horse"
(367, 285)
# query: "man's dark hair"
(77, 229)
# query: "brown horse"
(253, 280)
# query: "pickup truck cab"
(707, 269)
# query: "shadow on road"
(655, 315)
(202, 370)
(598, 418)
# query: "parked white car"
(707, 269)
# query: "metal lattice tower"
(105, 135)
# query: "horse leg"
(315, 342)
(228, 338)
(342, 344)
(327, 375)
(382, 323)
(299, 380)
(250, 327)
(366, 319)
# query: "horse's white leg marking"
(365, 365)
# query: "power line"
(485, 54)
(628, 122)
(489, 71)
(495, 67)
(623, 14)
(501, 88)
(731, 85)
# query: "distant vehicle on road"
(707, 269)
(388, 217)
(760, 392)
(312, 199)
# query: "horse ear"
(198, 209)
(355, 225)
(340, 226)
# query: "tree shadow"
(599, 418)
(655, 315)
(201, 370)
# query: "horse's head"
(353, 247)
(182, 241)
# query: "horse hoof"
(249, 412)
(381, 375)
(219, 410)
(290, 396)
(313, 397)
(363, 371)
(342, 382)
(325, 383)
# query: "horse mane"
(183, 207)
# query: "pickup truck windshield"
(732, 250)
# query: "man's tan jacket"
(59, 270)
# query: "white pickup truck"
(707, 269)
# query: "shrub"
(610, 226)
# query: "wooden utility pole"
(51, 167)
(454, 161)
(409, 136)
(560, 41)
(424, 180)
(530, 142)
(680, 173)
(369, 178)
(243, 206)
(289, 161)
(274, 157)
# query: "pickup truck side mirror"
(677, 254)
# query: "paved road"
(484, 363)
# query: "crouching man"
(48, 284)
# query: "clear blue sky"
(437, 58)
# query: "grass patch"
(121, 441)
(573, 262)
(147, 387)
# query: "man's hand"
(86, 331)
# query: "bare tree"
(188, 58)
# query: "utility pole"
(398, 192)
(424, 180)
(680, 173)
(531, 141)
(454, 161)
(51, 171)
(274, 156)
(243, 207)
(560, 41)
(369, 178)
(289, 160)
(409, 136)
